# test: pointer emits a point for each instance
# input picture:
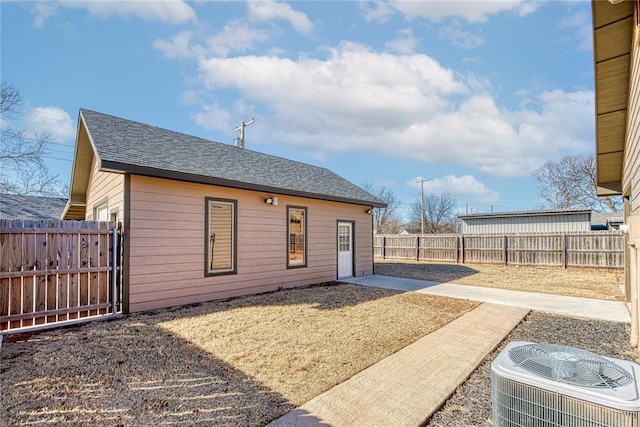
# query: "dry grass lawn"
(244, 361)
(578, 282)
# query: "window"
(101, 212)
(220, 236)
(297, 236)
(344, 238)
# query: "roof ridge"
(201, 138)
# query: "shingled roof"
(14, 206)
(126, 146)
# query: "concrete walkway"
(588, 308)
(406, 388)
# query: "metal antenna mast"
(240, 141)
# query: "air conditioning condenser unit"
(548, 385)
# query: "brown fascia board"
(117, 167)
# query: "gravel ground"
(470, 405)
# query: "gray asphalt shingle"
(130, 146)
(14, 206)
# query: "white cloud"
(379, 11)
(459, 37)
(42, 12)
(52, 121)
(167, 11)
(213, 118)
(465, 187)
(404, 43)
(190, 97)
(236, 36)
(349, 86)
(472, 11)
(269, 10)
(580, 24)
(179, 47)
(408, 106)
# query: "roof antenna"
(238, 141)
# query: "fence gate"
(58, 272)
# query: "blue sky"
(472, 95)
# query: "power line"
(46, 124)
(58, 144)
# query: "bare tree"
(439, 213)
(22, 166)
(571, 184)
(385, 220)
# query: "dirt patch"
(244, 361)
(578, 282)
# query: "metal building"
(537, 221)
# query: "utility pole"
(240, 141)
(422, 181)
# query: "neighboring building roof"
(601, 220)
(541, 212)
(122, 145)
(14, 206)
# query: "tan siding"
(167, 247)
(105, 185)
(631, 171)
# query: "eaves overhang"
(80, 173)
(613, 27)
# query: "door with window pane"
(345, 249)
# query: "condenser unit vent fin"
(570, 365)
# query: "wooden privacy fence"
(54, 272)
(596, 249)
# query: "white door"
(345, 249)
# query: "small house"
(204, 220)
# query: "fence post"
(462, 248)
(565, 249)
(418, 249)
(114, 269)
(505, 245)
(457, 246)
(384, 247)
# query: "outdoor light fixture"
(369, 211)
(271, 201)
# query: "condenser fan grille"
(570, 366)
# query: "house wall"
(166, 243)
(527, 224)
(105, 186)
